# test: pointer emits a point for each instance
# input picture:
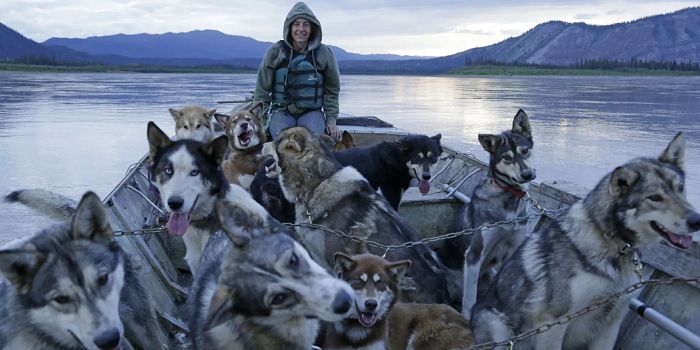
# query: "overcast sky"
(408, 27)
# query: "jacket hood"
(301, 10)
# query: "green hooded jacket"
(280, 51)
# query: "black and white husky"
(498, 197)
(587, 254)
(189, 178)
(258, 288)
(62, 288)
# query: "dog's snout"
(528, 175)
(175, 202)
(426, 176)
(371, 304)
(342, 302)
(108, 340)
(694, 221)
(244, 126)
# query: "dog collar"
(510, 189)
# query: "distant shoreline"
(491, 70)
(477, 70)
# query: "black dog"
(390, 166)
(267, 191)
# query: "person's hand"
(334, 132)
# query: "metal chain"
(592, 307)
(139, 232)
(426, 240)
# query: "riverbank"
(489, 70)
(17, 67)
(485, 70)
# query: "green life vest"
(299, 83)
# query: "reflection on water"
(74, 132)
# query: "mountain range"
(667, 37)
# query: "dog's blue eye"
(168, 171)
(194, 172)
(62, 299)
(524, 151)
(102, 280)
(380, 285)
(656, 198)
(508, 158)
(356, 284)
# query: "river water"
(75, 132)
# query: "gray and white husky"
(498, 197)
(63, 286)
(586, 255)
(189, 178)
(258, 288)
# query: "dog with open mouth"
(589, 253)
(246, 138)
(380, 321)
(390, 166)
(189, 179)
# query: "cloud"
(415, 27)
(584, 16)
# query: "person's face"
(301, 30)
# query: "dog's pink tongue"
(684, 241)
(177, 224)
(423, 187)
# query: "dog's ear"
(489, 142)
(210, 114)
(157, 139)
(90, 220)
(521, 124)
(175, 113)
(240, 225)
(220, 307)
(222, 119)
(257, 110)
(20, 265)
(436, 138)
(343, 262)
(621, 181)
(348, 141)
(398, 269)
(216, 149)
(675, 151)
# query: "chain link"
(592, 307)
(139, 232)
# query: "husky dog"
(63, 287)
(266, 189)
(189, 179)
(390, 166)
(246, 136)
(498, 197)
(339, 198)
(379, 322)
(194, 123)
(587, 254)
(376, 285)
(258, 288)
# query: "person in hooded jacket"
(298, 78)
